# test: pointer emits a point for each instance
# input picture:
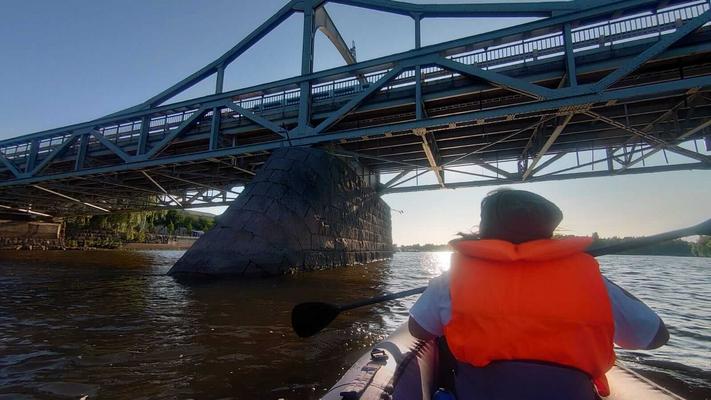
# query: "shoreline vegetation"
(678, 247)
(178, 229)
(149, 230)
(169, 230)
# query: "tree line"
(137, 226)
(681, 248)
(678, 247)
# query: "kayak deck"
(626, 384)
(405, 368)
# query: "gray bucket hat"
(518, 216)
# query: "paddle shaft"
(629, 244)
(382, 298)
(703, 228)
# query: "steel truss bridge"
(591, 88)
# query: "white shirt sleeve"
(433, 310)
(636, 325)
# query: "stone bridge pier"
(304, 210)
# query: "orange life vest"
(542, 300)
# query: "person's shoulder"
(441, 282)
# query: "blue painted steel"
(307, 68)
(174, 134)
(112, 147)
(539, 106)
(514, 84)
(543, 27)
(215, 129)
(419, 110)
(547, 178)
(353, 103)
(55, 153)
(532, 107)
(220, 80)
(473, 56)
(418, 30)
(83, 144)
(654, 50)
(143, 136)
(32, 158)
(508, 9)
(257, 119)
(10, 166)
(569, 55)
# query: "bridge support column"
(304, 210)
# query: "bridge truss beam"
(628, 78)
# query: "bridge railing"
(587, 37)
(483, 55)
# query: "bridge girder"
(481, 100)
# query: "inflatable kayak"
(405, 368)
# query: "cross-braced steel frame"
(616, 83)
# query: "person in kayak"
(526, 316)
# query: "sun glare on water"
(437, 262)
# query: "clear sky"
(70, 61)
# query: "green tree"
(702, 247)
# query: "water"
(110, 325)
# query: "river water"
(111, 325)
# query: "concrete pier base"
(304, 210)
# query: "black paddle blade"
(307, 319)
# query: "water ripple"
(108, 325)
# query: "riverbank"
(182, 244)
(31, 244)
(149, 230)
(31, 235)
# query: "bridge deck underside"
(513, 143)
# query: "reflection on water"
(109, 324)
